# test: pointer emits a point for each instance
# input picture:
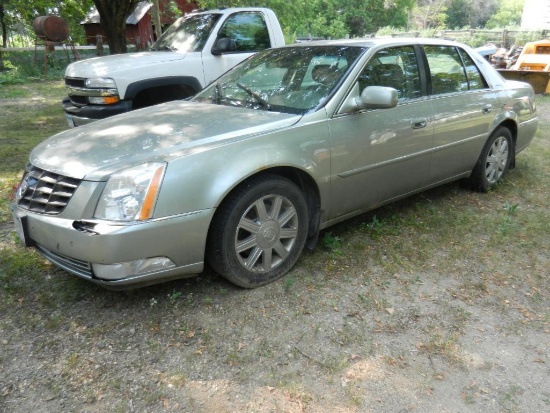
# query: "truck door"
(249, 32)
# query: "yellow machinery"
(532, 66)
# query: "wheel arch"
(512, 126)
(304, 182)
(188, 83)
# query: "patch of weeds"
(54, 322)
(442, 344)
(22, 270)
(289, 282)
(174, 296)
(469, 291)
(508, 401)
(189, 300)
(333, 243)
(72, 361)
(365, 301)
(375, 227)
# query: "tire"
(258, 232)
(494, 161)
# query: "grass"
(408, 278)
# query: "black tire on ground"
(258, 232)
(494, 161)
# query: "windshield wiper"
(256, 96)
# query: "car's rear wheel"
(494, 161)
(259, 232)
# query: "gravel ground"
(395, 322)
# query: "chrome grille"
(45, 192)
(74, 266)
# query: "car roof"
(378, 41)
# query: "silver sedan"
(245, 175)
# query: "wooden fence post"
(99, 44)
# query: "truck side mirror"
(224, 45)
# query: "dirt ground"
(364, 327)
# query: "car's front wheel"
(494, 161)
(259, 232)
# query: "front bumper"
(81, 115)
(76, 245)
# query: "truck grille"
(75, 82)
(45, 192)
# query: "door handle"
(487, 108)
(419, 123)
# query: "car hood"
(107, 65)
(157, 133)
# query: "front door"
(379, 155)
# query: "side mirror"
(224, 45)
(372, 97)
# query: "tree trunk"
(4, 28)
(113, 15)
(155, 11)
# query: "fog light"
(121, 270)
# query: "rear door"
(463, 107)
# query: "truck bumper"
(81, 115)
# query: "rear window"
(452, 70)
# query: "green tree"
(329, 18)
(470, 13)
(429, 14)
(508, 14)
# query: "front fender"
(202, 180)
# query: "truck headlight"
(131, 194)
(100, 83)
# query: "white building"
(536, 15)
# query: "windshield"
(290, 79)
(187, 34)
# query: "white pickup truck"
(195, 50)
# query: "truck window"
(249, 31)
(187, 34)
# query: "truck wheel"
(259, 232)
(494, 161)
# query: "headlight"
(131, 194)
(101, 83)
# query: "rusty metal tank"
(51, 28)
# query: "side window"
(446, 69)
(248, 30)
(395, 67)
(475, 79)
